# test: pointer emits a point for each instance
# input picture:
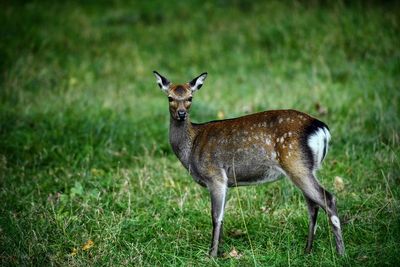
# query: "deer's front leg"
(218, 193)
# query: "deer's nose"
(181, 114)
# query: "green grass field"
(87, 176)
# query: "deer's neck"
(181, 135)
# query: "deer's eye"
(170, 99)
(189, 99)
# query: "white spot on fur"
(290, 134)
(282, 139)
(335, 221)
(280, 120)
(267, 141)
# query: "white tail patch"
(335, 221)
(318, 142)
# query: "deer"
(249, 150)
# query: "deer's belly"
(270, 174)
(251, 166)
(243, 165)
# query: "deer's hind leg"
(318, 195)
(313, 209)
(304, 178)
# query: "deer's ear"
(162, 82)
(197, 82)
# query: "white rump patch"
(335, 221)
(328, 135)
(317, 144)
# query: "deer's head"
(179, 96)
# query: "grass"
(84, 151)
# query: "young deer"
(248, 150)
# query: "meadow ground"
(87, 176)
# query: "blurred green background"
(87, 176)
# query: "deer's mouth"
(181, 118)
(181, 115)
